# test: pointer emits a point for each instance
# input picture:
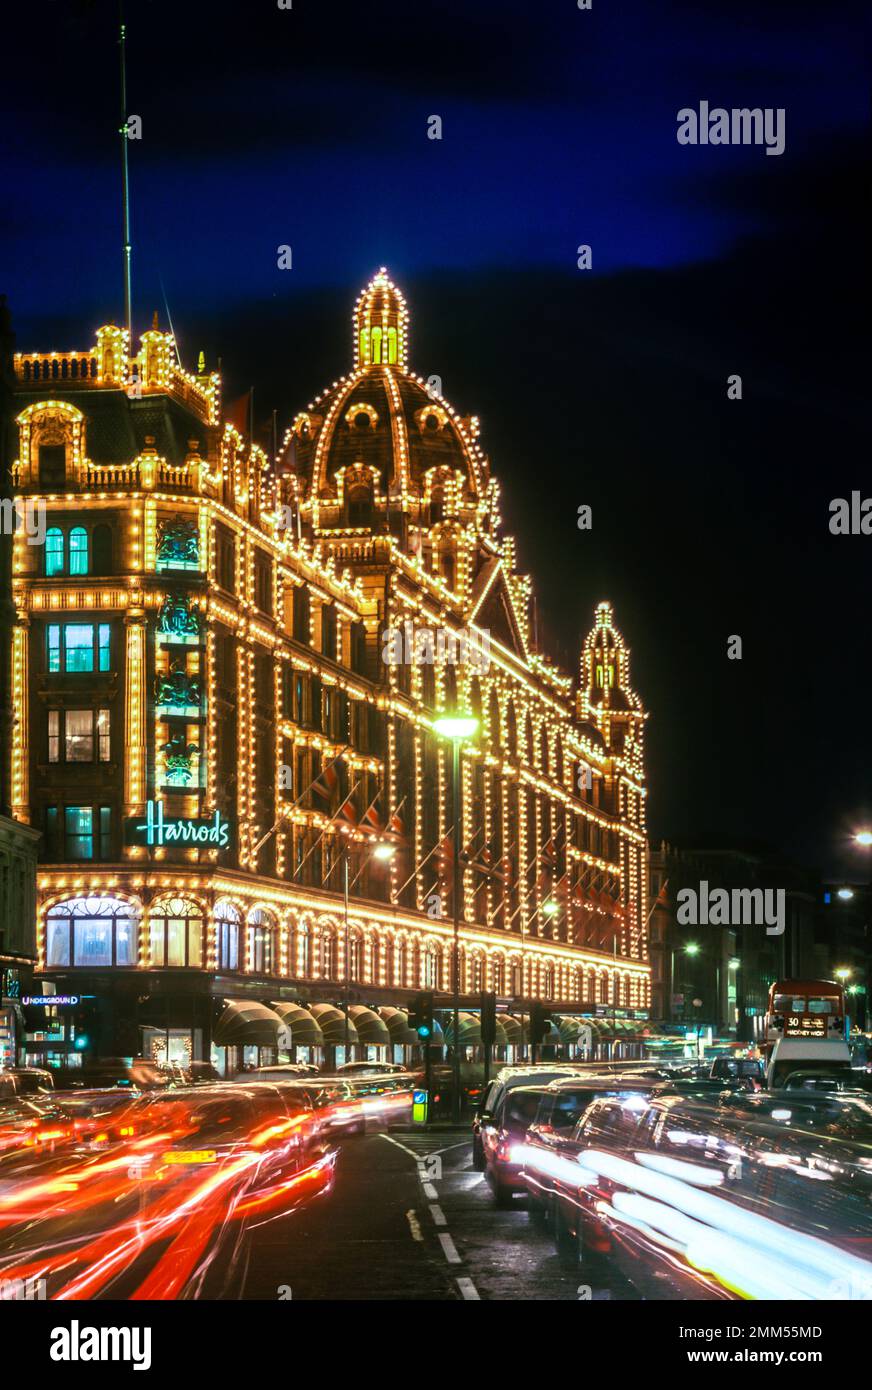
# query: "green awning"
(305, 1031)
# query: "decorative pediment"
(493, 608)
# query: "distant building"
(845, 936)
(727, 967)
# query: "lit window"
(78, 647)
(78, 550)
(79, 832)
(54, 551)
(376, 346)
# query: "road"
(408, 1218)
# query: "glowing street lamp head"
(692, 948)
(550, 908)
(845, 893)
(456, 725)
(863, 837)
(843, 973)
(384, 851)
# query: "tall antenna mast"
(125, 187)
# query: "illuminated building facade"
(227, 671)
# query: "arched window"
(305, 939)
(376, 347)
(375, 961)
(499, 976)
(402, 964)
(392, 345)
(78, 550)
(437, 506)
(355, 957)
(176, 933)
(328, 955)
(52, 465)
(476, 967)
(91, 932)
(432, 967)
(227, 923)
(54, 551)
(360, 505)
(261, 942)
(548, 981)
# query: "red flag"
(371, 820)
(547, 854)
(662, 900)
(396, 824)
(326, 782)
(347, 812)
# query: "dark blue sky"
(308, 127)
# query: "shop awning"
(397, 1021)
(571, 1026)
(470, 1030)
(305, 1030)
(370, 1028)
(333, 1025)
(513, 1029)
(246, 1022)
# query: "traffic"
(746, 1176)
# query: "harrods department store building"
(226, 673)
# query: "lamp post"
(457, 728)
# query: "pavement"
(408, 1218)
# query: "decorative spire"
(381, 325)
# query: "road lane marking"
(468, 1290)
(438, 1214)
(448, 1147)
(414, 1226)
(449, 1249)
(429, 1190)
(391, 1140)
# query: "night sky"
(308, 127)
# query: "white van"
(804, 1054)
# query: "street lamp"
(845, 893)
(690, 948)
(456, 727)
(864, 838)
(844, 973)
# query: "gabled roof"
(493, 608)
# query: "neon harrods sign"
(158, 829)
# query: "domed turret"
(381, 323)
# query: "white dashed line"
(438, 1215)
(449, 1249)
(414, 1226)
(469, 1291)
(430, 1191)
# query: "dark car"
(552, 1143)
(32, 1080)
(739, 1068)
(129, 1073)
(694, 1201)
(502, 1136)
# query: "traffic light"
(540, 1023)
(421, 1015)
(488, 1006)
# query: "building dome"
(381, 427)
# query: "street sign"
(419, 1107)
